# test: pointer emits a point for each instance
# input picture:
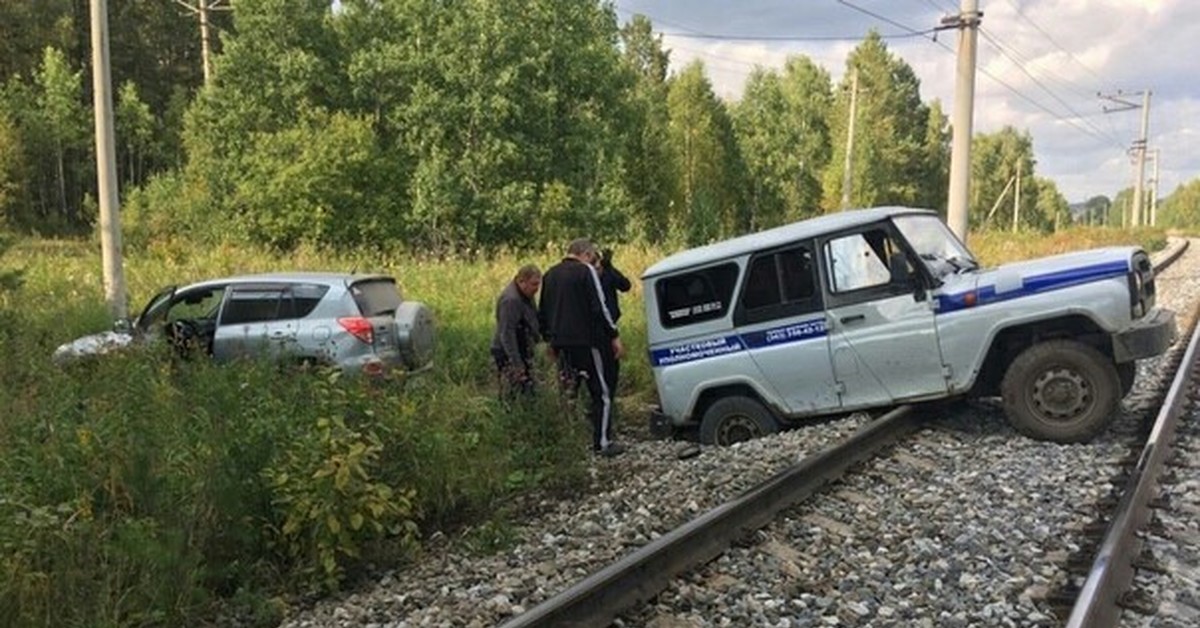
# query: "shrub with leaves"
(328, 496)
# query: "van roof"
(779, 236)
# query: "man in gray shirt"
(517, 331)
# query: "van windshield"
(937, 246)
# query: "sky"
(1042, 67)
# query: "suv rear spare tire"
(1061, 390)
(735, 419)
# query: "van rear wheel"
(735, 419)
(1061, 390)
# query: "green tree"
(784, 139)
(1182, 208)
(888, 164)
(1051, 207)
(649, 170)
(134, 128)
(1118, 211)
(1095, 210)
(996, 159)
(704, 199)
(65, 127)
(13, 172)
(933, 186)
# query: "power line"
(886, 19)
(1051, 39)
(1020, 63)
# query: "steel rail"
(642, 574)
(1112, 571)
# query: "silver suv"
(869, 308)
(358, 323)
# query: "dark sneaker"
(613, 449)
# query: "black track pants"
(586, 365)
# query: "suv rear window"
(376, 297)
(697, 296)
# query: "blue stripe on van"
(1036, 284)
(724, 345)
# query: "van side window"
(696, 296)
(778, 285)
(859, 260)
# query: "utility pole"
(201, 9)
(847, 176)
(1017, 199)
(1139, 146)
(967, 23)
(1155, 155)
(106, 164)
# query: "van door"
(782, 322)
(883, 339)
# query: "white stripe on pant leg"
(604, 417)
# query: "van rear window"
(697, 296)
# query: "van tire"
(735, 419)
(1061, 390)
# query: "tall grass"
(142, 489)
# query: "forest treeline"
(460, 126)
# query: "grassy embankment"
(145, 490)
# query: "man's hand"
(551, 353)
(618, 349)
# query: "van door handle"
(853, 318)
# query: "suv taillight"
(358, 327)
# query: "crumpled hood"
(93, 344)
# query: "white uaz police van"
(875, 307)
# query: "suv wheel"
(735, 419)
(1060, 390)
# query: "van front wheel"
(735, 419)
(1061, 390)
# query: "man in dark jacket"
(611, 282)
(582, 335)
(517, 331)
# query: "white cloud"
(1041, 66)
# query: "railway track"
(1160, 491)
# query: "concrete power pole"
(201, 9)
(848, 175)
(1139, 182)
(1017, 200)
(106, 164)
(1156, 155)
(967, 23)
(1139, 146)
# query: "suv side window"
(256, 304)
(253, 305)
(779, 284)
(693, 297)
